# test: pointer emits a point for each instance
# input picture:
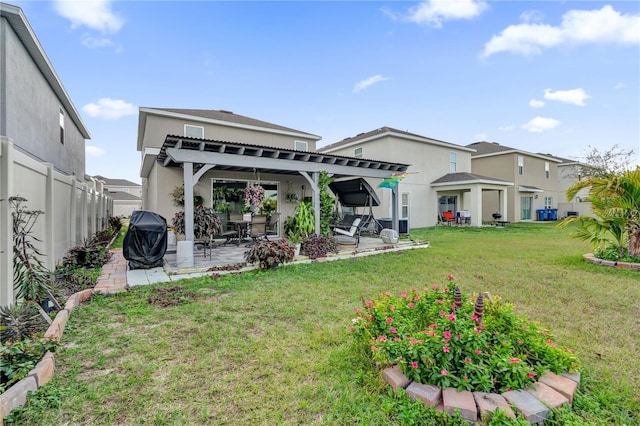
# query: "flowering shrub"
(438, 341)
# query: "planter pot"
(246, 217)
(297, 249)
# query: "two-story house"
(534, 177)
(202, 150)
(440, 179)
(126, 195)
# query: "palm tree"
(615, 202)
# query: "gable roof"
(116, 182)
(466, 177)
(488, 149)
(222, 117)
(389, 131)
(123, 196)
(16, 18)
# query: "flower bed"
(442, 337)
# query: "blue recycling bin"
(542, 214)
(552, 214)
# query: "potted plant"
(222, 206)
(269, 254)
(253, 195)
(205, 222)
(246, 213)
(177, 195)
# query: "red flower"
(514, 360)
(531, 374)
(445, 349)
(447, 334)
(389, 320)
(450, 277)
(414, 364)
(444, 372)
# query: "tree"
(615, 202)
(597, 163)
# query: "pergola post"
(315, 197)
(184, 249)
(395, 225)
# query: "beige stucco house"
(202, 150)
(439, 180)
(126, 195)
(534, 176)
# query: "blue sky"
(545, 76)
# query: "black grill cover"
(146, 240)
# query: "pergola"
(198, 156)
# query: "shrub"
(270, 253)
(319, 246)
(18, 358)
(438, 341)
(20, 321)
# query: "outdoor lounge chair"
(258, 227)
(448, 218)
(353, 231)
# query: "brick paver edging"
(589, 257)
(112, 280)
(549, 392)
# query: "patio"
(231, 254)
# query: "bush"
(319, 246)
(18, 358)
(438, 341)
(20, 321)
(270, 253)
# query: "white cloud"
(534, 103)
(109, 109)
(96, 42)
(573, 96)
(368, 82)
(94, 14)
(507, 128)
(540, 124)
(434, 12)
(531, 16)
(94, 151)
(605, 25)
(619, 86)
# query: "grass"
(273, 348)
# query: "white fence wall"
(73, 210)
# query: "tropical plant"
(302, 223)
(269, 253)
(205, 222)
(222, 206)
(615, 202)
(177, 195)
(20, 321)
(254, 194)
(30, 277)
(326, 203)
(269, 206)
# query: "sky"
(556, 77)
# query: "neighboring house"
(440, 179)
(534, 176)
(42, 152)
(569, 172)
(203, 150)
(126, 195)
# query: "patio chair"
(258, 227)
(448, 218)
(353, 231)
(272, 224)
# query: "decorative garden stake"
(479, 308)
(457, 297)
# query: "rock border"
(589, 257)
(534, 403)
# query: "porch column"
(394, 209)
(184, 249)
(315, 197)
(503, 204)
(476, 205)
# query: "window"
(301, 145)
(525, 208)
(357, 153)
(453, 161)
(193, 131)
(546, 169)
(520, 165)
(404, 205)
(61, 119)
(548, 202)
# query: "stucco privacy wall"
(72, 210)
(31, 109)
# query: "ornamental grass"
(440, 336)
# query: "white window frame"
(192, 128)
(301, 145)
(453, 161)
(520, 165)
(548, 202)
(404, 205)
(546, 170)
(61, 120)
(357, 153)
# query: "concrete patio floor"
(231, 254)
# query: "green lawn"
(273, 347)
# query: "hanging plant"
(254, 194)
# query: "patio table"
(242, 227)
